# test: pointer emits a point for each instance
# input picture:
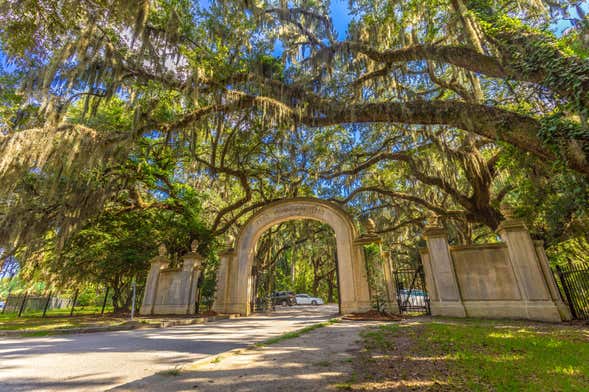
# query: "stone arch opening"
(234, 277)
(296, 256)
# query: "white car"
(306, 299)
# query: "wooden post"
(47, 304)
(104, 302)
(74, 302)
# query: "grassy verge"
(34, 322)
(474, 355)
(296, 334)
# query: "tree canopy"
(450, 107)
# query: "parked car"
(306, 299)
(413, 297)
(283, 298)
(1, 305)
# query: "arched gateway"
(234, 277)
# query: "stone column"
(191, 266)
(391, 288)
(388, 284)
(563, 309)
(445, 296)
(225, 260)
(537, 300)
(157, 263)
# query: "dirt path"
(317, 361)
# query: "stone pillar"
(392, 305)
(563, 309)
(531, 280)
(387, 283)
(221, 291)
(191, 269)
(445, 294)
(157, 263)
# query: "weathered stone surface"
(234, 289)
(157, 263)
(441, 267)
(172, 290)
(505, 280)
(485, 273)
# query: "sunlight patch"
(566, 370)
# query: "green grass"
(55, 320)
(378, 337)
(512, 358)
(480, 355)
(296, 334)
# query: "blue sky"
(341, 18)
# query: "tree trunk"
(120, 302)
(330, 286)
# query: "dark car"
(283, 298)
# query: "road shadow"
(319, 360)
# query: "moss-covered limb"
(537, 58)
(525, 57)
(488, 121)
(534, 55)
(491, 122)
(568, 138)
(460, 56)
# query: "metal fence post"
(566, 290)
(6, 303)
(74, 302)
(104, 302)
(22, 305)
(133, 300)
(47, 304)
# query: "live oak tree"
(298, 256)
(467, 91)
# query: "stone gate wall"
(510, 279)
(171, 290)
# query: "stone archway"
(234, 277)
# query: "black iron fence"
(573, 282)
(411, 292)
(56, 304)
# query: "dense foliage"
(297, 256)
(115, 110)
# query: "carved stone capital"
(435, 231)
(161, 260)
(227, 252)
(366, 239)
(512, 225)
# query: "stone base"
(218, 307)
(392, 307)
(355, 307)
(447, 309)
(237, 308)
(145, 310)
(543, 311)
(564, 310)
(531, 310)
(172, 309)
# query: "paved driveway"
(99, 361)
